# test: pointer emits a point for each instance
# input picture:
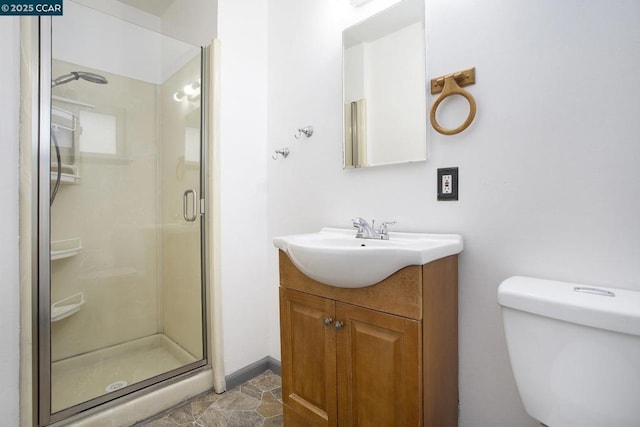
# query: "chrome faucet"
(366, 231)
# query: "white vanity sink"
(336, 257)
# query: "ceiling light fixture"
(190, 92)
(178, 96)
(191, 89)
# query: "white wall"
(242, 30)
(9, 285)
(193, 21)
(123, 11)
(549, 180)
(130, 49)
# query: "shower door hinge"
(202, 205)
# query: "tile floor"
(256, 403)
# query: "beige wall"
(113, 210)
(181, 288)
(139, 269)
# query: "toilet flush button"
(595, 291)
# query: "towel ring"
(451, 88)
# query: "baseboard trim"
(243, 375)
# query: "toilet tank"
(574, 351)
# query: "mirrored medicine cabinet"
(384, 87)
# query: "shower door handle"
(194, 204)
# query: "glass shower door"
(126, 289)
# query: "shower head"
(77, 75)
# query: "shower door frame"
(41, 313)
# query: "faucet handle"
(383, 226)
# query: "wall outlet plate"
(448, 184)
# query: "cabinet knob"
(327, 321)
(339, 324)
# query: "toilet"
(574, 351)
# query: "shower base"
(81, 378)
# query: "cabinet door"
(308, 359)
(379, 374)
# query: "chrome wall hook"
(282, 152)
(307, 131)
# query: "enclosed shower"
(121, 285)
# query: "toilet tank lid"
(587, 305)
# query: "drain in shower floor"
(115, 386)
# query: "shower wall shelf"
(66, 307)
(65, 248)
(69, 174)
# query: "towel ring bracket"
(463, 78)
(449, 85)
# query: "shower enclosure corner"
(121, 183)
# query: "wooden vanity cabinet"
(384, 355)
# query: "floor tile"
(256, 403)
